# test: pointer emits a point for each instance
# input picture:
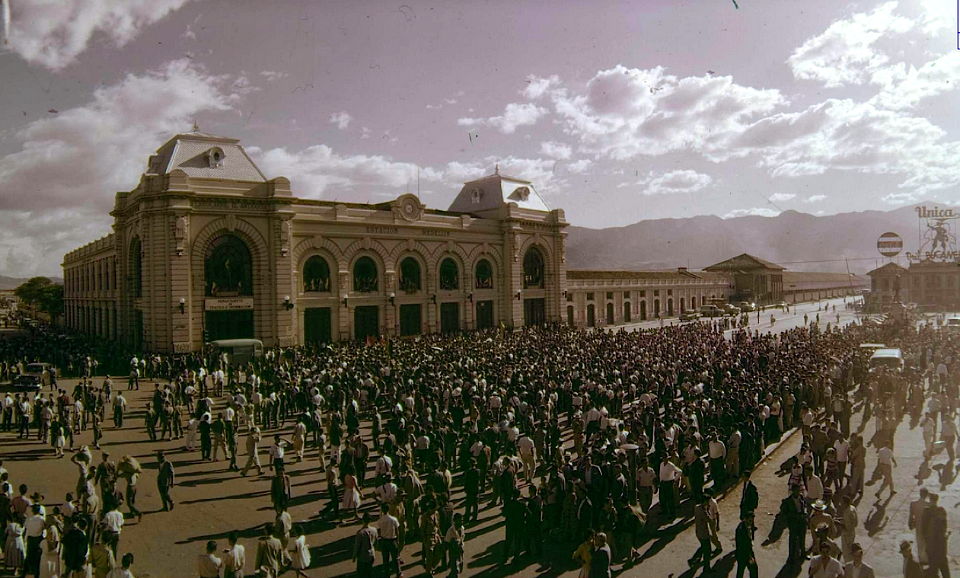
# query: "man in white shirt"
(887, 463)
(842, 446)
(668, 488)
(119, 406)
(528, 455)
(389, 527)
(825, 565)
(112, 526)
(387, 491)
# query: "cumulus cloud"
(846, 52)
(514, 115)
(627, 112)
(903, 87)
(69, 167)
(852, 136)
(537, 86)
(815, 198)
(556, 150)
(273, 75)
(753, 212)
(52, 33)
(317, 169)
(682, 181)
(900, 198)
(780, 197)
(341, 119)
(580, 166)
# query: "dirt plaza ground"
(212, 501)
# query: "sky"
(616, 111)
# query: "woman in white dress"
(351, 495)
(51, 564)
(299, 552)
(14, 551)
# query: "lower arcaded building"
(206, 247)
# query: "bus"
(238, 351)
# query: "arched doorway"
(591, 316)
(669, 307)
(656, 308)
(228, 277)
(534, 308)
(643, 311)
(626, 312)
(682, 309)
(570, 315)
(366, 318)
(609, 313)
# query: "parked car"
(746, 306)
(710, 311)
(37, 369)
(27, 382)
(689, 316)
(729, 309)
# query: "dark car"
(27, 382)
(689, 316)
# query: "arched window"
(364, 275)
(410, 275)
(484, 274)
(316, 275)
(136, 267)
(449, 275)
(229, 268)
(533, 270)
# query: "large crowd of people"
(585, 440)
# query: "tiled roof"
(190, 156)
(891, 268)
(622, 274)
(743, 262)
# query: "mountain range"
(795, 240)
(8, 283)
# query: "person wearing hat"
(165, 480)
(857, 568)
(911, 568)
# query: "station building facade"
(206, 247)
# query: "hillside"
(798, 241)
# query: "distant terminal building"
(206, 247)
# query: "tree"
(43, 294)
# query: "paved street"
(212, 501)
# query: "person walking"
(253, 449)
(165, 481)
(234, 557)
(886, 463)
(601, 558)
(746, 559)
(455, 538)
(857, 568)
(937, 535)
(704, 532)
(269, 552)
(389, 527)
(299, 552)
(365, 547)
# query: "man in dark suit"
(746, 560)
(857, 568)
(750, 498)
(793, 510)
(165, 481)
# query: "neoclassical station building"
(206, 247)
